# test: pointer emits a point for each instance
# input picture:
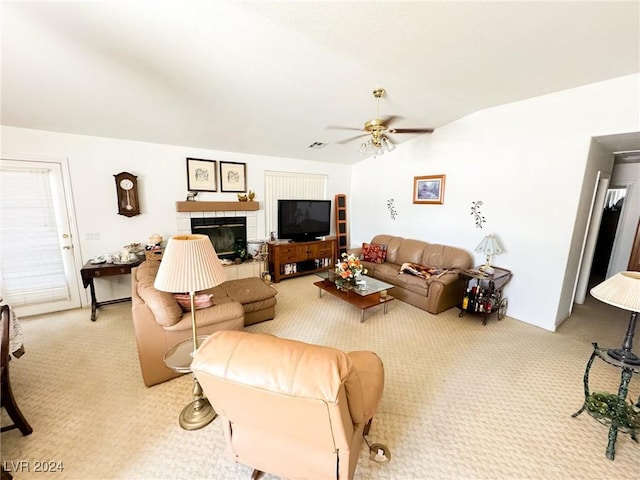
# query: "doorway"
(611, 213)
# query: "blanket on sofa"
(422, 271)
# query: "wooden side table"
(90, 271)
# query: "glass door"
(38, 271)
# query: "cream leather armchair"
(289, 408)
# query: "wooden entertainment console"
(292, 259)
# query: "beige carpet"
(461, 401)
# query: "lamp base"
(197, 414)
(488, 269)
(624, 356)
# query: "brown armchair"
(289, 408)
(159, 323)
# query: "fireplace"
(228, 234)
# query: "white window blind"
(31, 266)
(287, 186)
(614, 195)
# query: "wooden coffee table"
(368, 293)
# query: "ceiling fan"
(378, 129)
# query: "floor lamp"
(190, 264)
(622, 291)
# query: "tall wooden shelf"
(342, 232)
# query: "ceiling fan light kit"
(379, 143)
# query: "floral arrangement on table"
(349, 267)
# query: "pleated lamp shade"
(490, 246)
(189, 264)
(621, 290)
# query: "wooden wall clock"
(127, 190)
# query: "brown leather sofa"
(159, 322)
(434, 294)
(289, 408)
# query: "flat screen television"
(303, 220)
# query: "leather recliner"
(289, 408)
(159, 323)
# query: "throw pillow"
(372, 252)
(203, 300)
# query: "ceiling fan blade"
(335, 127)
(411, 130)
(351, 139)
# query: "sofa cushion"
(393, 245)
(201, 300)
(373, 252)
(390, 273)
(217, 292)
(445, 256)
(411, 251)
(220, 313)
(163, 305)
(413, 284)
(248, 290)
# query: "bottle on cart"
(465, 299)
(480, 303)
(472, 294)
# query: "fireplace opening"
(228, 234)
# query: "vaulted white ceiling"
(267, 77)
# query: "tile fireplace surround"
(185, 211)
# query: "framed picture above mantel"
(201, 175)
(429, 189)
(233, 177)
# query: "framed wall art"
(429, 189)
(201, 175)
(233, 177)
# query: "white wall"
(161, 171)
(526, 161)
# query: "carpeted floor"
(461, 401)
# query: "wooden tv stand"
(293, 259)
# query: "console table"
(611, 409)
(90, 271)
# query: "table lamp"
(190, 264)
(623, 291)
(489, 246)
